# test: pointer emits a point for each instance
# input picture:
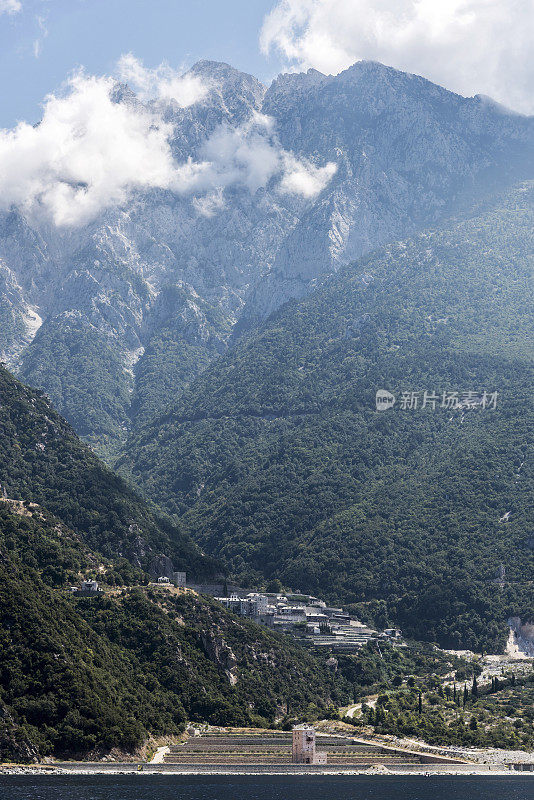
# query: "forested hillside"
(81, 676)
(86, 675)
(43, 461)
(277, 460)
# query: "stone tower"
(304, 751)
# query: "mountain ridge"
(287, 470)
(178, 279)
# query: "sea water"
(265, 787)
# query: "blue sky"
(468, 46)
(94, 34)
(88, 152)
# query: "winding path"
(370, 701)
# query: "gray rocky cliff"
(409, 155)
(114, 318)
(221, 654)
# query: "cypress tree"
(474, 688)
(420, 703)
(466, 695)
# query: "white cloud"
(38, 43)
(244, 155)
(251, 155)
(162, 83)
(304, 178)
(90, 153)
(469, 46)
(210, 204)
(87, 154)
(10, 6)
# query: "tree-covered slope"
(84, 375)
(84, 676)
(277, 460)
(43, 461)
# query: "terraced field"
(273, 748)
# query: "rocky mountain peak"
(289, 82)
(123, 94)
(235, 87)
(407, 153)
(219, 70)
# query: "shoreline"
(368, 773)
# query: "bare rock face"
(523, 637)
(161, 566)
(409, 154)
(115, 318)
(221, 654)
(19, 322)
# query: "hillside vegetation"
(43, 461)
(442, 712)
(83, 676)
(87, 675)
(277, 461)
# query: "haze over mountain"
(115, 316)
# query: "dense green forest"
(84, 374)
(83, 676)
(91, 674)
(277, 461)
(43, 461)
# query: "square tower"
(303, 744)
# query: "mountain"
(88, 676)
(409, 154)
(163, 275)
(94, 675)
(277, 461)
(42, 461)
(114, 318)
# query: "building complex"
(308, 618)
